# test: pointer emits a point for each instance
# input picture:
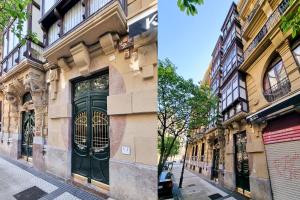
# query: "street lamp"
(182, 171)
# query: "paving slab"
(20, 180)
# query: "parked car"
(165, 185)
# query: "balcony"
(267, 27)
(29, 50)
(81, 22)
(252, 15)
(277, 91)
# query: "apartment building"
(81, 103)
(259, 91)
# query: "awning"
(289, 102)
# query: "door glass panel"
(100, 131)
(100, 83)
(81, 88)
(80, 137)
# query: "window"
(276, 82)
(296, 53)
(73, 17)
(202, 151)
(53, 33)
(235, 88)
(48, 4)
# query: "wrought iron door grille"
(100, 131)
(81, 130)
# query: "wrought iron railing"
(279, 90)
(19, 53)
(270, 23)
(251, 15)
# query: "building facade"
(259, 104)
(76, 103)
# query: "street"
(22, 182)
(196, 188)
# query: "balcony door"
(90, 155)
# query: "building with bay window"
(81, 103)
(259, 104)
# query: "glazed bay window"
(234, 90)
(235, 32)
(214, 85)
(215, 66)
(276, 82)
(232, 60)
(229, 23)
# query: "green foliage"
(189, 6)
(291, 21)
(11, 10)
(182, 107)
(168, 141)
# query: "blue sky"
(188, 41)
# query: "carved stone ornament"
(35, 84)
(53, 79)
(11, 95)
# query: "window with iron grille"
(276, 82)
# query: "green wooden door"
(242, 163)
(215, 165)
(90, 157)
(27, 133)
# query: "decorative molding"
(108, 42)
(62, 63)
(81, 58)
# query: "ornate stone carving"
(35, 84)
(11, 95)
(53, 79)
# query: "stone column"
(229, 174)
(34, 82)
(12, 129)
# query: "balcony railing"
(251, 15)
(270, 23)
(28, 50)
(76, 15)
(279, 90)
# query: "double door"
(215, 166)
(90, 155)
(242, 163)
(27, 134)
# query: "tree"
(11, 10)
(174, 149)
(182, 106)
(291, 21)
(189, 6)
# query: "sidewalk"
(22, 182)
(196, 188)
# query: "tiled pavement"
(16, 177)
(196, 188)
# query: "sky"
(188, 41)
